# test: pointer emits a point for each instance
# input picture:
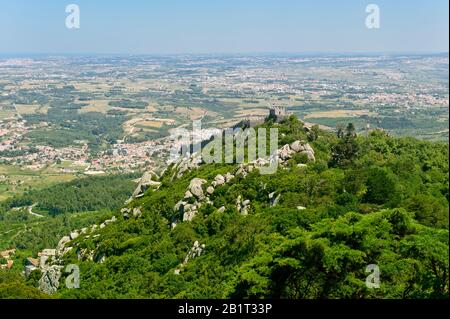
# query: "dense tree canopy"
(384, 203)
(83, 194)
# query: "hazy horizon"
(223, 27)
(244, 54)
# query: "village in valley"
(64, 114)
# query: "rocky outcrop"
(244, 169)
(196, 194)
(297, 146)
(49, 281)
(195, 187)
(242, 206)
(137, 212)
(309, 152)
(189, 212)
(193, 199)
(195, 251)
(74, 235)
(85, 254)
(228, 177)
(218, 180)
(50, 259)
(61, 250)
(210, 190)
(273, 200)
(185, 165)
(148, 180)
(109, 221)
(127, 212)
(287, 151)
(186, 210)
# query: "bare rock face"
(228, 177)
(189, 212)
(188, 195)
(242, 206)
(196, 251)
(219, 179)
(148, 180)
(148, 177)
(125, 212)
(186, 165)
(210, 190)
(137, 212)
(74, 235)
(60, 249)
(195, 187)
(260, 162)
(49, 281)
(273, 200)
(86, 254)
(196, 195)
(111, 220)
(244, 169)
(309, 152)
(241, 171)
(301, 147)
(285, 152)
(297, 146)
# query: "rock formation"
(49, 281)
(148, 180)
(195, 251)
(242, 206)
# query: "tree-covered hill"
(83, 194)
(309, 231)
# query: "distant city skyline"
(223, 27)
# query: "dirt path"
(30, 211)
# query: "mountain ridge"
(308, 231)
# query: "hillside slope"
(308, 231)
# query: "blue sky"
(223, 26)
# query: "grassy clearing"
(25, 109)
(20, 181)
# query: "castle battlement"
(278, 113)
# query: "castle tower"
(277, 112)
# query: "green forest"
(84, 194)
(375, 200)
(67, 126)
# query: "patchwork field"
(339, 114)
(95, 106)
